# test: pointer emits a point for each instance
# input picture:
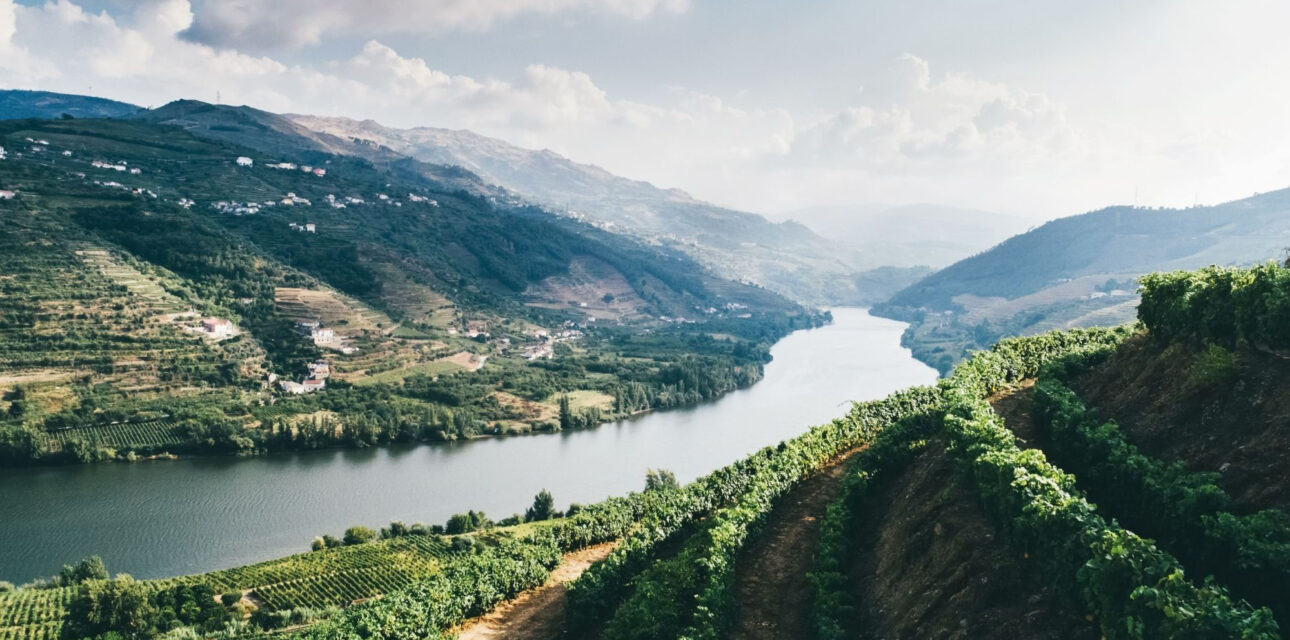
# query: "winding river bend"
(165, 518)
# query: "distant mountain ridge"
(19, 103)
(787, 257)
(1080, 271)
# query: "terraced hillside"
(1000, 503)
(172, 293)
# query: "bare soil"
(933, 566)
(1238, 426)
(773, 597)
(536, 614)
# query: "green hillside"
(124, 236)
(16, 104)
(1079, 271)
(1033, 493)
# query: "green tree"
(91, 568)
(660, 480)
(543, 507)
(566, 414)
(120, 605)
(359, 535)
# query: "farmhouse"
(322, 335)
(313, 384)
(217, 327)
(309, 227)
(243, 161)
(6, 194)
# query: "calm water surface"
(164, 518)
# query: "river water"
(164, 518)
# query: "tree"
(359, 535)
(543, 507)
(660, 480)
(318, 544)
(91, 568)
(119, 605)
(566, 414)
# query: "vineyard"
(1135, 547)
(150, 433)
(34, 614)
(336, 577)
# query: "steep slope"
(151, 273)
(1080, 271)
(16, 104)
(786, 257)
(274, 134)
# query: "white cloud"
(913, 134)
(916, 123)
(290, 23)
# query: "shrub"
(359, 535)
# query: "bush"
(231, 598)
(358, 535)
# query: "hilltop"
(1079, 271)
(16, 104)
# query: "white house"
(243, 161)
(320, 172)
(313, 384)
(2, 153)
(322, 335)
(309, 227)
(67, 154)
(6, 194)
(217, 327)
(291, 387)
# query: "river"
(165, 518)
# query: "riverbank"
(199, 514)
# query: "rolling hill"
(17, 104)
(1080, 271)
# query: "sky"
(1035, 108)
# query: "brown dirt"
(1013, 406)
(536, 614)
(1239, 427)
(772, 587)
(932, 566)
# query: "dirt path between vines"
(536, 614)
(1014, 407)
(771, 579)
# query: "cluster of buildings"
(291, 166)
(233, 208)
(412, 197)
(307, 227)
(117, 166)
(292, 199)
(319, 371)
